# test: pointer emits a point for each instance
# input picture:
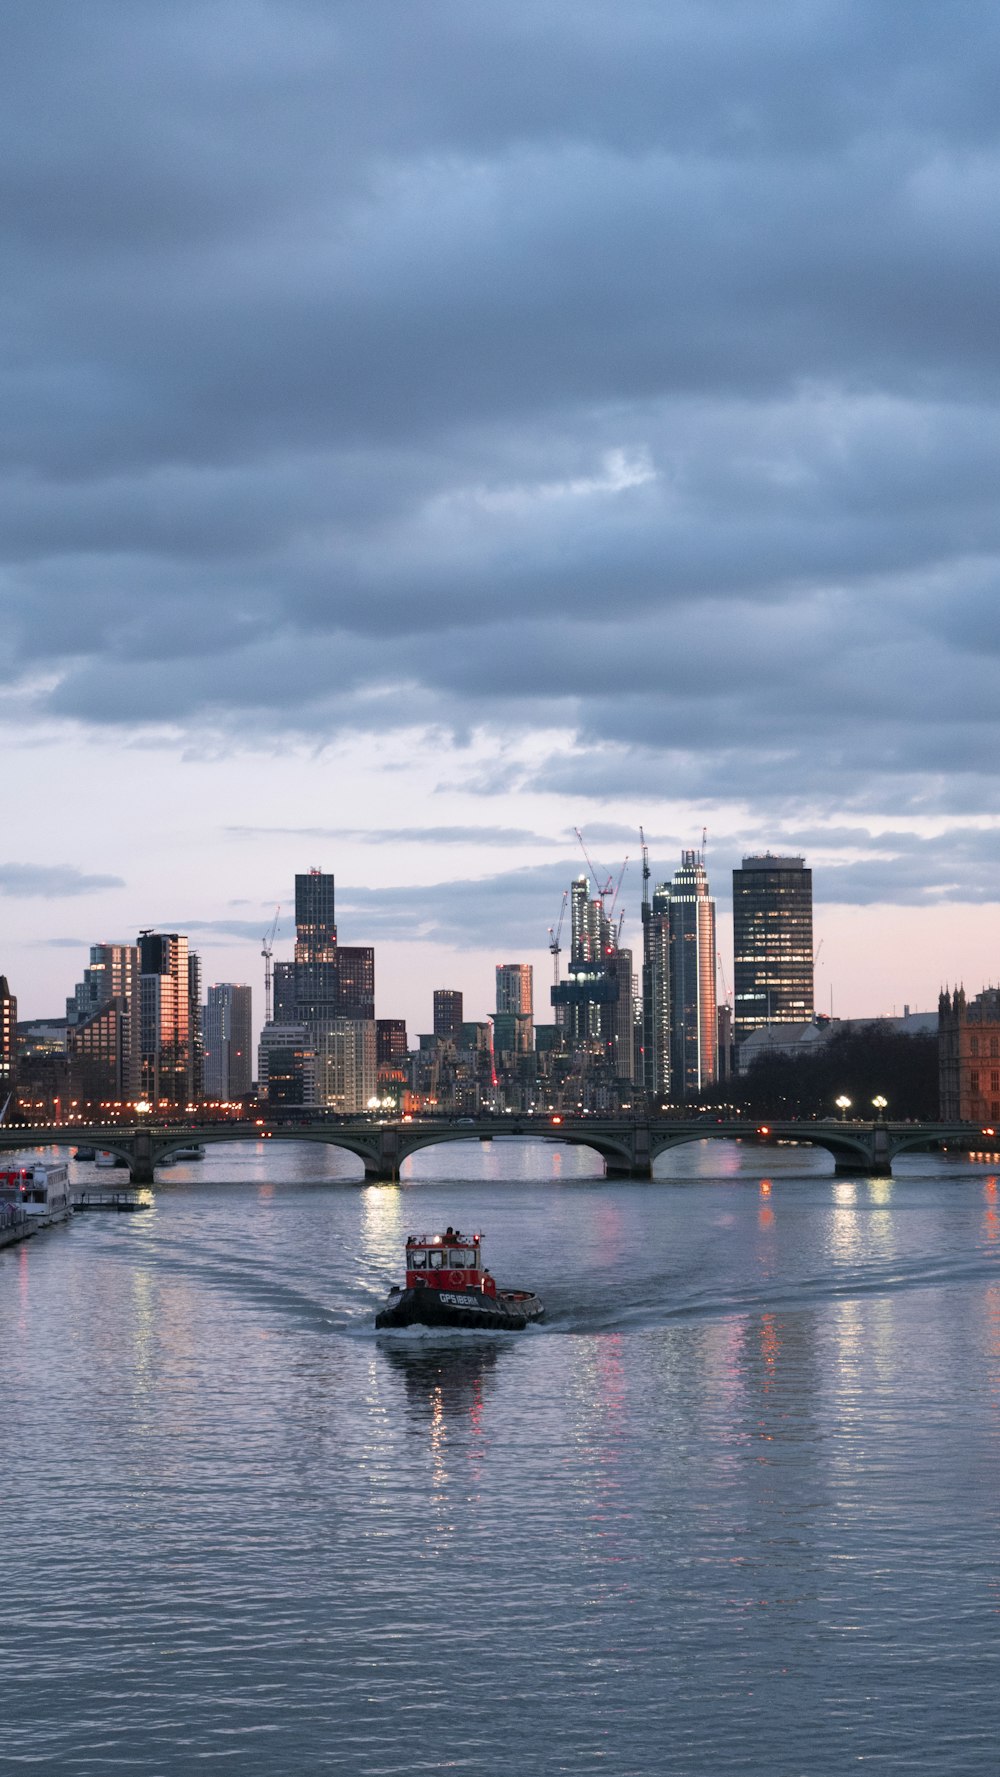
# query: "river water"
(733, 1508)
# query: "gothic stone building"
(969, 1056)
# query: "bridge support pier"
(628, 1169)
(851, 1166)
(385, 1169)
(140, 1166)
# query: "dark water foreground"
(734, 1508)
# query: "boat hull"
(509, 1311)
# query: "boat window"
(436, 1257)
(461, 1257)
(417, 1258)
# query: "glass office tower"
(772, 943)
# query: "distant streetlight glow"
(880, 1104)
(843, 1105)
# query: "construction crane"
(554, 936)
(727, 997)
(267, 953)
(618, 888)
(600, 893)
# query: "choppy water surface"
(734, 1508)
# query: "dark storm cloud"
(51, 881)
(629, 372)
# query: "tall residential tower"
(693, 1016)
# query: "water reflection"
(447, 1382)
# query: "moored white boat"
(41, 1192)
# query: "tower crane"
(554, 937)
(266, 953)
(601, 893)
(727, 997)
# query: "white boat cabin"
(37, 1190)
(448, 1261)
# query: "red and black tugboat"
(447, 1286)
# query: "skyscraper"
(227, 1039)
(772, 943)
(620, 1021)
(167, 1042)
(334, 988)
(655, 989)
(103, 1026)
(515, 1008)
(195, 1027)
(448, 1013)
(590, 988)
(693, 1017)
(315, 947)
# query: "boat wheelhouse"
(448, 1261)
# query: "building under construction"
(595, 1004)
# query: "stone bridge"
(627, 1145)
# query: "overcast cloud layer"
(626, 374)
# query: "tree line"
(858, 1062)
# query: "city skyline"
(552, 417)
(406, 991)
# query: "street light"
(880, 1104)
(843, 1106)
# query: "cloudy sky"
(430, 428)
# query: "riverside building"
(969, 1056)
(103, 1027)
(8, 1041)
(772, 944)
(227, 1036)
(170, 1019)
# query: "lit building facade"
(621, 1017)
(448, 1014)
(227, 1032)
(284, 993)
(8, 1042)
(693, 1008)
(969, 1056)
(772, 944)
(589, 988)
(391, 1048)
(346, 1069)
(103, 1027)
(169, 1066)
(316, 996)
(286, 1065)
(515, 1003)
(656, 994)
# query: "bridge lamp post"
(880, 1104)
(843, 1106)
